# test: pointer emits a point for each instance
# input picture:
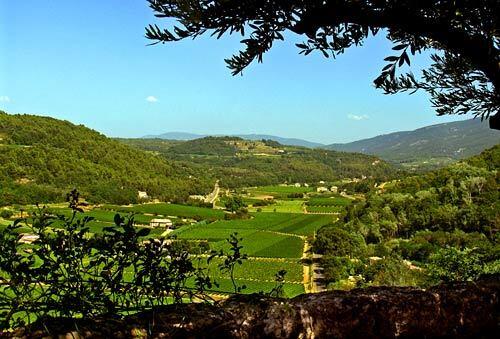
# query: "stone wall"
(468, 310)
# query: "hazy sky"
(87, 62)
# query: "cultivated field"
(273, 236)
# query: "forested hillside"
(428, 147)
(42, 158)
(444, 223)
(181, 136)
(238, 162)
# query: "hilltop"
(183, 136)
(425, 148)
(42, 158)
(428, 147)
(239, 162)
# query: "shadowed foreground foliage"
(70, 272)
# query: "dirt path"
(313, 274)
(306, 269)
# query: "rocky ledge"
(465, 310)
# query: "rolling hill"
(43, 158)
(238, 162)
(427, 147)
(182, 136)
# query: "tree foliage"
(465, 75)
(35, 153)
(440, 226)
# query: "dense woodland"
(239, 163)
(444, 224)
(37, 151)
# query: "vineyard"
(272, 235)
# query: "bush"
(336, 241)
(69, 272)
(338, 268)
(392, 271)
(234, 204)
(265, 202)
(6, 214)
(451, 264)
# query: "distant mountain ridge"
(183, 136)
(445, 142)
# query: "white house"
(297, 184)
(166, 223)
(334, 189)
(321, 189)
(142, 195)
(197, 197)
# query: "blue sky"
(87, 62)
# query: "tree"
(336, 241)
(452, 264)
(464, 76)
(234, 204)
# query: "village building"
(197, 197)
(334, 189)
(142, 195)
(322, 189)
(297, 184)
(165, 223)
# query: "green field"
(324, 209)
(261, 269)
(165, 209)
(273, 238)
(272, 235)
(105, 215)
(278, 191)
(293, 223)
(225, 286)
(331, 201)
(282, 206)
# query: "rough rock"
(465, 310)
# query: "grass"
(278, 191)
(262, 270)
(105, 215)
(282, 206)
(332, 201)
(273, 235)
(225, 286)
(324, 209)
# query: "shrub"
(451, 264)
(335, 241)
(6, 214)
(69, 272)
